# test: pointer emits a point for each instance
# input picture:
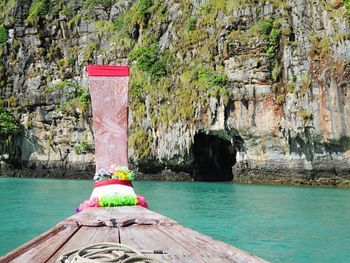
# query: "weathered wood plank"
(41, 248)
(151, 238)
(209, 249)
(88, 236)
(89, 217)
(138, 213)
(182, 244)
(103, 216)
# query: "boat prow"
(134, 226)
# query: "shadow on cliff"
(20, 150)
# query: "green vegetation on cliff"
(106, 4)
(9, 125)
(37, 9)
(150, 60)
(83, 147)
(3, 34)
(75, 97)
(347, 6)
(141, 142)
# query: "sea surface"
(277, 223)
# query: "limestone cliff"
(254, 87)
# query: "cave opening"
(213, 158)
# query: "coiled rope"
(108, 252)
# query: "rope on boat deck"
(109, 252)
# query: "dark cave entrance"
(213, 158)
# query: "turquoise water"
(277, 223)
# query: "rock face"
(258, 88)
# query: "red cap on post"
(108, 71)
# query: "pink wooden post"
(109, 97)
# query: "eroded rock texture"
(267, 81)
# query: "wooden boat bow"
(129, 225)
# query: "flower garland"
(114, 172)
(122, 173)
(113, 200)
